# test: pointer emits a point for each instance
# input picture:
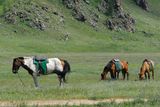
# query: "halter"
(28, 69)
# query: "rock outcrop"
(119, 19)
(143, 4)
(81, 12)
(32, 14)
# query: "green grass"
(82, 37)
(88, 51)
(83, 81)
(136, 103)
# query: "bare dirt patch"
(65, 102)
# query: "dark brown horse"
(111, 67)
(146, 68)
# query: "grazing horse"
(146, 68)
(114, 72)
(53, 65)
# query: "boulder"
(119, 19)
(70, 3)
(143, 4)
(79, 15)
(103, 6)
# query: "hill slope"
(75, 36)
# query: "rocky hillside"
(32, 13)
(40, 26)
(40, 15)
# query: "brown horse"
(111, 67)
(146, 68)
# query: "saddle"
(39, 59)
(116, 60)
(117, 64)
(40, 63)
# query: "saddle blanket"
(41, 65)
(117, 64)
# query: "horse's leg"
(59, 74)
(35, 80)
(149, 75)
(117, 72)
(145, 75)
(153, 74)
(60, 79)
(64, 78)
(112, 74)
(115, 75)
(123, 74)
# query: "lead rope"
(21, 80)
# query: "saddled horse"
(114, 72)
(54, 65)
(146, 68)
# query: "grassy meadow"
(84, 80)
(87, 51)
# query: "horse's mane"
(108, 66)
(20, 57)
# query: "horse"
(54, 65)
(114, 73)
(146, 68)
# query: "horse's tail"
(67, 67)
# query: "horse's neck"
(27, 65)
(144, 67)
(28, 61)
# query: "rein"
(21, 80)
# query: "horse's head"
(141, 74)
(102, 76)
(17, 62)
(105, 71)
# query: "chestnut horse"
(111, 67)
(146, 68)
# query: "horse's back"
(149, 61)
(54, 64)
(59, 64)
(124, 65)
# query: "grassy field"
(84, 80)
(88, 51)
